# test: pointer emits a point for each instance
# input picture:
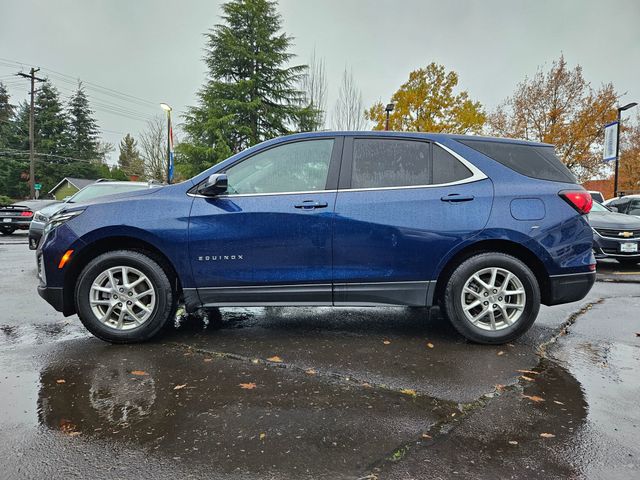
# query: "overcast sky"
(152, 49)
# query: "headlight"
(60, 218)
(38, 217)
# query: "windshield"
(597, 207)
(100, 190)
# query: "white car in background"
(629, 204)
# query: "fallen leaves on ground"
(408, 391)
(310, 371)
(527, 371)
(426, 435)
(247, 386)
(513, 442)
(275, 359)
(500, 387)
(208, 359)
(68, 428)
(139, 373)
(500, 353)
(386, 342)
(558, 402)
(547, 435)
(180, 387)
(61, 380)
(262, 435)
(430, 345)
(534, 398)
(528, 379)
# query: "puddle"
(221, 415)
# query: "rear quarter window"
(533, 161)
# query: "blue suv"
(486, 228)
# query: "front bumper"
(569, 288)
(53, 295)
(607, 247)
(36, 230)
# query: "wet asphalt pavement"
(292, 393)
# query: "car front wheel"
(492, 298)
(124, 297)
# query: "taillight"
(579, 199)
(26, 214)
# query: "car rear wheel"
(492, 298)
(7, 230)
(124, 297)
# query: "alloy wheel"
(122, 298)
(493, 298)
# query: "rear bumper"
(569, 288)
(15, 223)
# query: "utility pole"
(32, 159)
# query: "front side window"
(379, 163)
(293, 167)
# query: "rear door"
(402, 205)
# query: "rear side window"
(447, 168)
(389, 163)
(533, 161)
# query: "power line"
(13, 151)
(74, 80)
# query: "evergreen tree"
(52, 130)
(251, 93)
(83, 128)
(129, 160)
(6, 117)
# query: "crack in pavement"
(439, 430)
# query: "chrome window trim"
(233, 195)
(476, 175)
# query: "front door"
(402, 206)
(267, 241)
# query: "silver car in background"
(89, 193)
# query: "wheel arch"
(112, 243)
(517, 250)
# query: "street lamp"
(389, 108)
(620, 110)
(168, 109)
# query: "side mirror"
(613, 209)
(215, 185)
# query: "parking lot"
(388, 393)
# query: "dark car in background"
(18, 216)
(101, 188)
(615, 235)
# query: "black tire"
(7, 230)
(165, 303)
(452, 301)
(628, 262)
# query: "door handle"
(311, 204)
(456, 197)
